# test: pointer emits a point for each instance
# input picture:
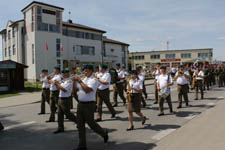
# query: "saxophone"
(194, 80)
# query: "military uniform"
(220, 77)
(156, 74)
(64, 105)
(162, 81)
(103, 94)
(85, 111)
(206, 79)
(142, 79)
(199, 84)
(54, 97)
(119, 88)
(45, 94)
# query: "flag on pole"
(46, 47)
(61, 47)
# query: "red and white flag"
(61, 47)
(46, 46)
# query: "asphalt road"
(25, 130)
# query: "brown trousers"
(53, 104)
(44, 98)
(119, 88)
(64, 109)
(161, 102)
(182, 91)
(85, 114)
(156, 92)
(199, 85)
(104, 96)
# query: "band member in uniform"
(45, 90)
(164, 82)
(220, 76)
(64, 100)
(1, 127)
(199, 77)
(135, 87)
(143, 73)
(125, 80)
(118, 87)
(103, 93)
(182, 85)
(156, 74)
(54, 93)
(85, 109)
(141, 78)
(207, 78)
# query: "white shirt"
(163, 80)
(98, 74)
(45, 83)
(173, 70)
(143, 73)
(68, 86)
(106, 77)
(141, 77)
(92, 83)
(157, 74)
(135, 84)
(201, 73)
(182, 80)
(121, 74)
(55, 78)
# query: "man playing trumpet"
(182, 85)
(199, 77)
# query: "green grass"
(32, 87)
(8, 95)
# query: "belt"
(88, 102)
(64, 98)
(45, 88)
(103, 90)
(135, 94)
(181, 84)
(56, 91)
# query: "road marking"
(221, 97)
(19, 125)
(210, 104)
(162, 134)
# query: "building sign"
(170, 60)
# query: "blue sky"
(144, 24)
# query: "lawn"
(8, 95)
(32, 86)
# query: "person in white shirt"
(54, 93)
(173, 71)
(199, 77)
(86, 106)
(182, 85)
(65, 93)
(135, 87)
(103, 93)
(156, 74)
(126, 76)
(141, 78)
(119, 87)
(143, 73)
(45, 90)
(164, 82)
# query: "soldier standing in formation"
(198, 77)
(103, 93)
(45, 90)
(135, 87)
(86, 107)
(164, 81)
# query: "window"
(9, 34)
(203, 55)
(123, 48)
(14, 50)
(13, 32)
(32, 27)
(74, 49)
(5, 52)
(32, 53)
(58, 61)
(170, 56)
(9, 51)
(39, 18)
(57, 47)
(39, 10)
(85, 50)
(123, 60)
(157, 56)
(112, 50)
(139, 57)
(50, 12)
(186, 55)
(39, 15)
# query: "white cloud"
(221, 38)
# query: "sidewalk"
(28, 98)
(205, 132)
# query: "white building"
(43, 40)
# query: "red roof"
(68, 24)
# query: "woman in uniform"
(134, 88)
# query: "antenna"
(167, 45)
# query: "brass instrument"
(194, 80)
(128, 92)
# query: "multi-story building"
(43, 40)
(170, 57)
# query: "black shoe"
(98, 120)
(155, 103)
(58, 131)
(113, 116)
(179, 107)
(106, 138)
(144, 120)
(80, 148)
(160, 114)
(1, 127)
(196, 98)
(129, 129)
(115, 105)
(41, 113)
(50, 121)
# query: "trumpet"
(81, 75)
